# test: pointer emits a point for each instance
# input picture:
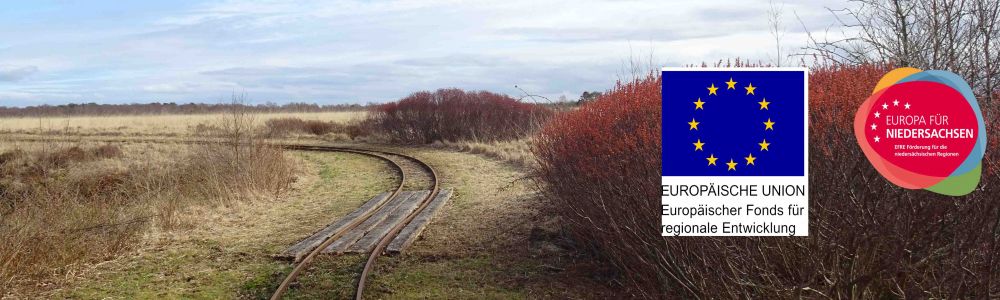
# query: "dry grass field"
(493, 240)
(66, 205)
(148, 125)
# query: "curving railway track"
(413, 172)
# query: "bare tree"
(955, 35)
(638, 65)
(237, 128)
(777, 29)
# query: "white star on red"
(895, 102)
(885, 106)
(874, 126)
(876, 139)
(907, 105)
(877, 114)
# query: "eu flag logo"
(734, 122)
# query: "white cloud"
(363, 51)
(16, 73)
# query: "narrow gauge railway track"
(425, 176)
(429, 178)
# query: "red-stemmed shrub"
(835, 92)
(600, 166)
(455, 115)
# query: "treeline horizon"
(155, 108)
(162, 108)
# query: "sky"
(336, 52)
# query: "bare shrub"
(357, 129)
(219, 172)
(283, 126)
(242, 163)
(456, 115)
(960, 36)
(600, 166)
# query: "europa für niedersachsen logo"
(923, 130)
(734, 152)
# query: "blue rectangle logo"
(734, 122)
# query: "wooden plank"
(367, 243)
(352, 236)
(410, 233)
(303, 247)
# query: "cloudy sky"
(329, 52)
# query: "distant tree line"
(154, 108)
(86, 109)
(588, 97)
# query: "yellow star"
(763, 145)
(730, 85)
(731, 164)
(712, 89)
(750, 159)
(764, 103)
(767, 125)
(699, 104)
(697, 145)
(750, 89)
(694, 124)
(711, 159)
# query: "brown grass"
(148, 125)
(62, 206)
(516, 152)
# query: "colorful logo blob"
(923, 130)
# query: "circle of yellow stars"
(699, 104)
